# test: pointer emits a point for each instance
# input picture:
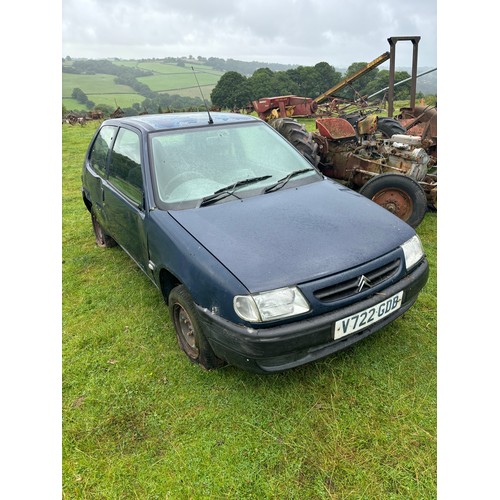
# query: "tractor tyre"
(297, 136)
(400, 194)
(389, 126)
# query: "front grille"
(349, 287)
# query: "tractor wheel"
(299, 137)
(389, 126)
(400, 194)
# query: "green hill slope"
(163, 78)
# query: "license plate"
(368, 317)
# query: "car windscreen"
(198, 166)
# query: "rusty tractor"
(422, 121)
(392, 161)
(393, 171)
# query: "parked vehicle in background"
(366, 153)
(264, 263)
(392, 162)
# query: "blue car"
(264, 263)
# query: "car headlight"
(266, 306)
(413, 251)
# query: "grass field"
(166, 68)
(101, 89)
(174, 79)
(167, 78)
(140, 421)
(181, 83)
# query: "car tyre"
(102, 239)
(188, 330)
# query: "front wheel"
(188, 330)
(400, 194)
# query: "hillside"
(159, 77)
(127, 83)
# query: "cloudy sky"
(284, 31)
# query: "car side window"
(125, 171)
(100, 149)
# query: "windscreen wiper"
(226, 191)
(281, 182)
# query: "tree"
(381, 81)
(234, 89)
(79, 95)
(82, 98)
(327, 76)
(359, 85)
(260, 84)
(283, 84)
(308, 81)
(230, 91)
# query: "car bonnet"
(294, 235)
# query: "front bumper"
(303, 341)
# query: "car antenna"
(210, 121)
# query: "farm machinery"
(392, 171)
(391, 161)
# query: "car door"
(123, 196)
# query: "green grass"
(162, 68)
(169, 78)
(92, 84)
(113, 100)
(176, 83)
(100, 89)
(140, 421)
(174, 79)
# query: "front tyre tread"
(189, 331)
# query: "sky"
(303, 32)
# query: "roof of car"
(180, 120)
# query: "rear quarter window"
(101, 148)
(125, 165)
